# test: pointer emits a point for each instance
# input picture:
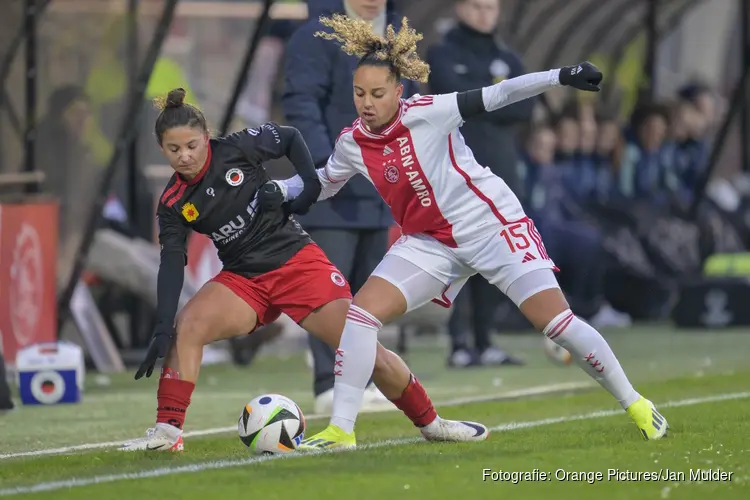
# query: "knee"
(192, 329)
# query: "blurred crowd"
(658, 155)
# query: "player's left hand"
(157, 349)
(583, 76)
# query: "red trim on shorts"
(443, 300)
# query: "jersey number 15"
(515, 238)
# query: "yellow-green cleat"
(650, 422)
(331, 438)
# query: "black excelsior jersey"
(221, 202)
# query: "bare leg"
(214, 313)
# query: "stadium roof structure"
(552, 33)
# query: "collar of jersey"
(197, 178)
(389, 128)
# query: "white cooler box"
(50, 373)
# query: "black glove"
(270, 196)
(306, 199)
(157, 349)
(583, 76)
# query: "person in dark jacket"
(470, 56)
(352, 227)
(6, 403)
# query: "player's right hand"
(157, 349)
(307, 198)
(270, 196)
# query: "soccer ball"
(271, 424)
(555, 353)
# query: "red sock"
(173, 398)
(416, 404)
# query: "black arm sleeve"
(173, 240)
(271, 141)
(299, 154)
(470, 103)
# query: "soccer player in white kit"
(457, 218)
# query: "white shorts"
(434, 271)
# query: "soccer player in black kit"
(270, 265)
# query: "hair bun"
(175, 98)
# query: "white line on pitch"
(520, 393)
(225, 464)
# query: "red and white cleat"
(163, 437)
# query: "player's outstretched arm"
(584, 76)
(291, 188)
(448, 111)
(173, 240)
(332, 177)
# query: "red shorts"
(304, 283)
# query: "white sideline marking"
(531, 391)
(225, 464)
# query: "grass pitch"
(571, 444)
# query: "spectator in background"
(577, 131)
(567, 130)
(646, 162)
(352, 227)
(254, 106)
(687, 133)
(608, 145)
(470, 56)
(705, 101)
(69, 164)
(6, 403)
(574, 245)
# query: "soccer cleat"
(650, 422)
(454, 430)
(163, 437)
(331, 438)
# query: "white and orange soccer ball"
(271, 424)
(558, 355)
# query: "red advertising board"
(28, 275)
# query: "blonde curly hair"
(399, 50)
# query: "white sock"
(592, 353)
(355, 361)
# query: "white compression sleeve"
(293, 186)
(517, 89)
